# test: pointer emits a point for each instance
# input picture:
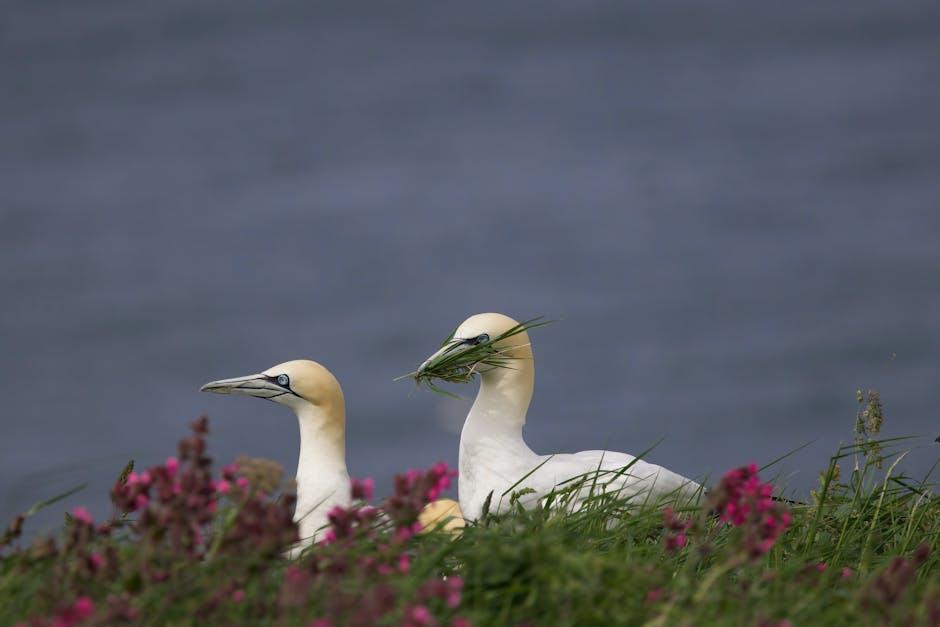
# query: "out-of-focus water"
(735, 209)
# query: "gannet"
(493, 455)
(315, 396)
(443, 515)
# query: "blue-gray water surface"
(732, 207)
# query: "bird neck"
(503, 400)
(322, 447)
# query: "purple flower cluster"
(742, 500)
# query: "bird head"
(482, 344)
(295, 383)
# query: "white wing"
(604, 471)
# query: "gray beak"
(258, 385)
(448, 349)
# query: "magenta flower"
(172, 465)
(421, 615)
(742, 500)
(222, 486)
(675, 537)
(363, 489)
(96, 560)
(81, 515)
(238, 596)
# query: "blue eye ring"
(283, 380)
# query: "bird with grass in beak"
(315, 396)
(494, 459)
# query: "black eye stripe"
(475, 341)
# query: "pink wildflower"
(96, 560)
(677, 539)
(404, 563)
(821, 567)
(743, 501)
(145, 478)
(238, 596)
(454, 586)
(141, 501)
(847, 572)
(421, 615)
(172, 465)
(83, 607)
(363, 489)
(132, 479)
(242, 483)
(81, 515)
(461, 622)
(403, 533)
(222, 486)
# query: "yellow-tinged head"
(480, 345)
(443, 515)
(292, 383)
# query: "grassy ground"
(862, 550)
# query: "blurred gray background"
(733, 207)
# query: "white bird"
(493, 454)
(315, 396)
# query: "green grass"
(862, 550)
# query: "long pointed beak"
(447, 349)
(253, 385)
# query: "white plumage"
(494, 455)
(315, 396)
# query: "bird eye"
(283, 380)
(483, 337)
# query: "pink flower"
(96, 560)
(846, 572)
(421, 615)
(83, 608)
(141, 501)
(293, 574)
(145, 478)
(363, 489)
(821, 566)
(238, 596)
(132, 479)
(229, 470)
(81, 515)
(744, 501)
(654, 595)
(404, 563)
(403, 533)
(461, 622)
(172, 465)
(242, 483)
(222, 486)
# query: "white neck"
(322, 479)
(498, 414)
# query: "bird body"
(315, 396)
(493, 455)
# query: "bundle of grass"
(460, 360)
